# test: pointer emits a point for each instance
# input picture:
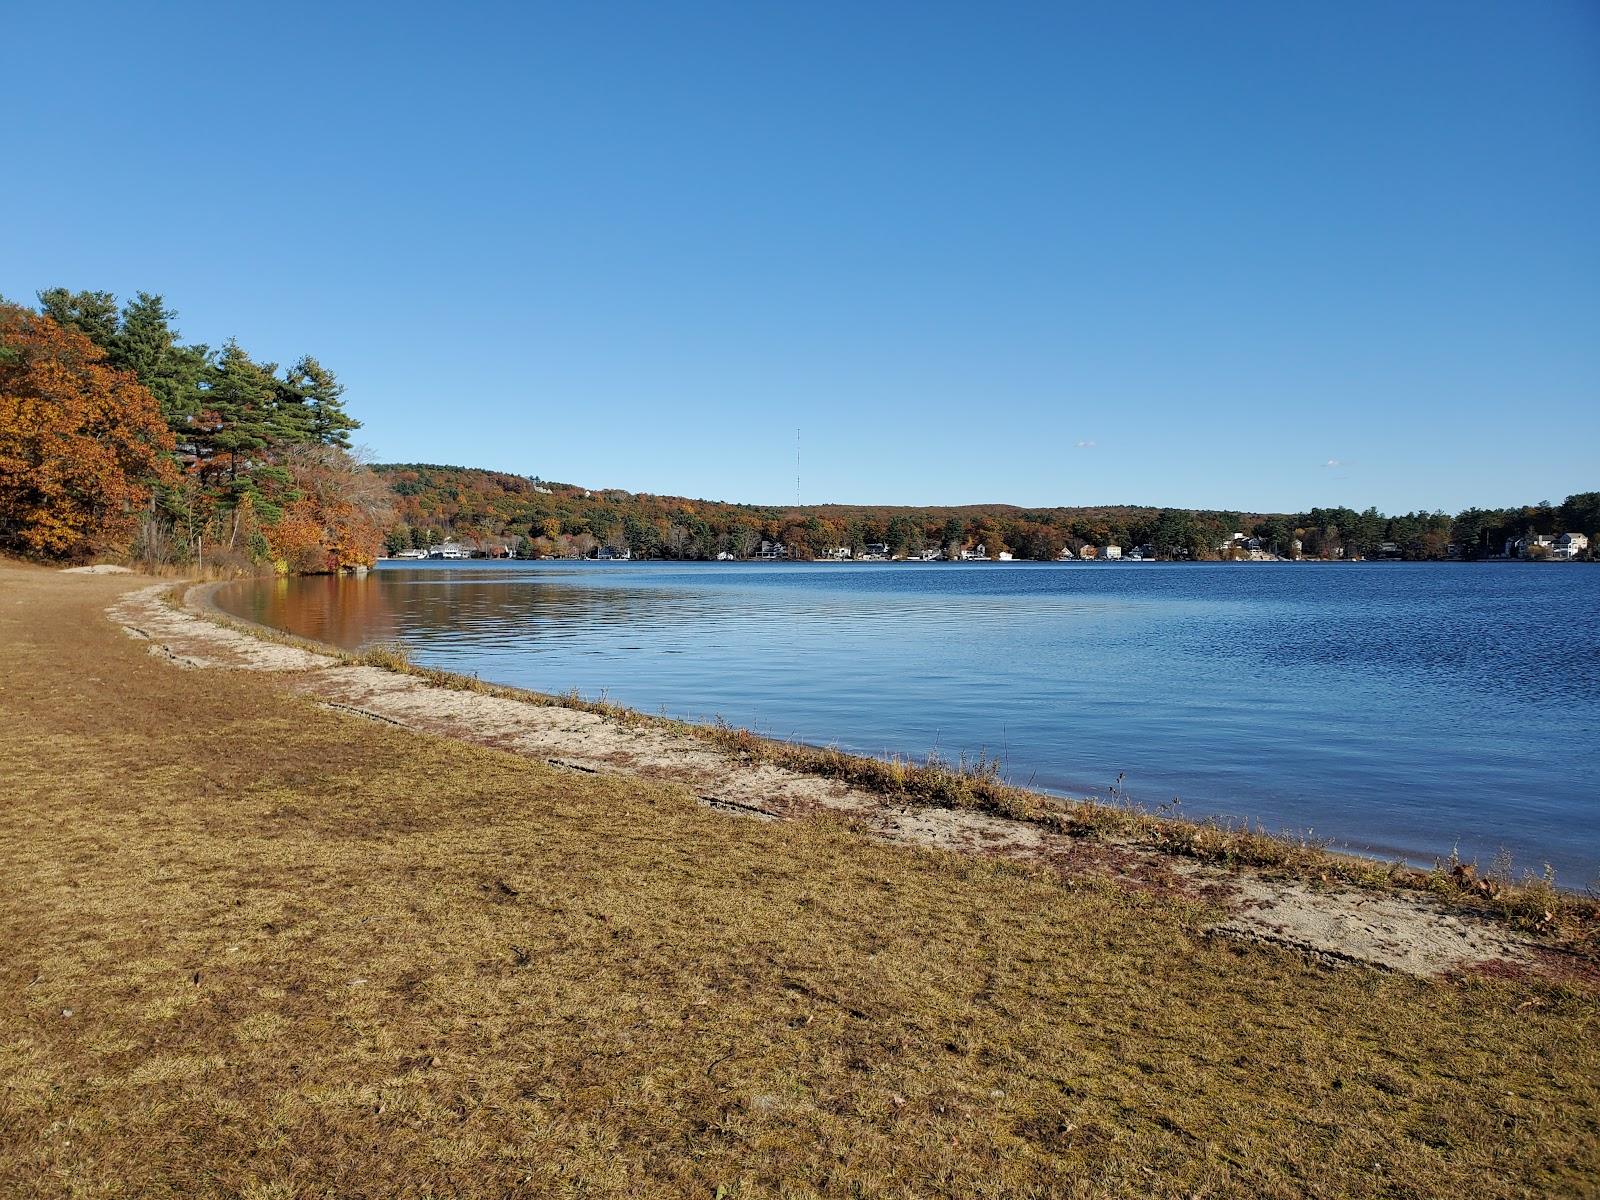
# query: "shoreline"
(878, 764)
(1283, 889)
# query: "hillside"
(531, 517)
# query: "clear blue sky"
(1238, 255)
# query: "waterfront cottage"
(1532, 545)
(1570, 545)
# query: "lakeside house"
(772, 550)
(610, 553)
(978, 553)
(837, 553)
(1532, 545)
(1113, 552)
(449, 550)
(1570, 545)
(875, 552)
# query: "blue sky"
(1259, 256)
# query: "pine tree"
(328, 421)
(292, 413)
(238, 422)
(91, 313)
(146, 344)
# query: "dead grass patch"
(305, 954)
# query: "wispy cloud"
(1086, 445)
(1335, 462)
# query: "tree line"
(497, 512)
(117, 438)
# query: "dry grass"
(309, 955)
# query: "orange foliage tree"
(81, 444)
(338, 517)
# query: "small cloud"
(1335, 462)
(1086, 445)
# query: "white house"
(771, 550)
(836, 553)
(1570, 545)
(1113, 552)
(1524, 547)
(977, 554)
(1003, 556)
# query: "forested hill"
(528, 516)
(480, 506)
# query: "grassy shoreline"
(1562, 918)
(259, 948)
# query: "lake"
(1397, 709)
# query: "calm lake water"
(1395, 708)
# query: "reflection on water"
(1398, 708)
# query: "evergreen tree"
(320, 390)
(292, 415)
(238, 422)
(146, 344)
(92, 313)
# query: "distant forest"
(502, 513)
(119, 440)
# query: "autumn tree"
(81, 444)
(338, 515)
